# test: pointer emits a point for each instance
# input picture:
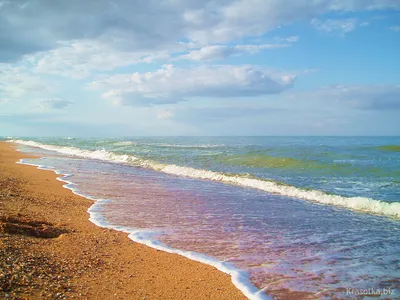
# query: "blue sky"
(186, 67)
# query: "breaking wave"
(360, 204)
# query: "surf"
(359, 204)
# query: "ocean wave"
(360, 204)
(184, 146)
(165, 145)
(125, 143)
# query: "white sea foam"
(239, 277)
(165, 145)
(360, 204)
(125, 143)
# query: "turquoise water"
(347, 166)
(317, 215)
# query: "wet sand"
(49, 249)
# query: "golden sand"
(49, 249)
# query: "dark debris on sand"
(26, 271)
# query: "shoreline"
(41, 217)
(357, 204)
(239, 278)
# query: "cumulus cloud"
(365, 97)
(236, 19)
(78, 59)
(337, 27)
(18, 82)
(128, 98)
(140, 26)
(171, 85)
(220, 51)
(33, 26)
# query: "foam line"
(239, 277)
(360, 204)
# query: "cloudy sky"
(190, 67)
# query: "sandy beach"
(49, 249)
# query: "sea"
(311, 217)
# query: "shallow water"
(286, 244)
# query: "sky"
(190, 67)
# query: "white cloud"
(289, 39)
(171, 85)
(337, 27)
(53, 103)
(78, 59)
(18, 82)
(128, 98)
(152, 25)
(220, 51)
(124, 24)
(236, 19)
(164, 114)
(395, 28)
